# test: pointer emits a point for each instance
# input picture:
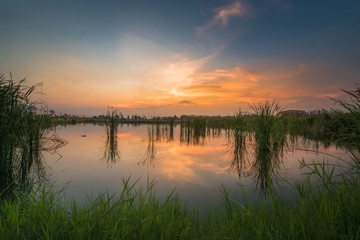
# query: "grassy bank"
(139, 215)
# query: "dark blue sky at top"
(289, 29)
(322, 33)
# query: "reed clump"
(269, 133)
(111, 152)
(268, 125)
(351, 131)
(22, 136)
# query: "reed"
(351, 131)
(268, 126)
(111, 152)
(23, 135)
(270, 138)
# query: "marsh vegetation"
(327, 198)
(23, 137)
(111, 153)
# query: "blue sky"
(182, 57)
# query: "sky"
(163, 57)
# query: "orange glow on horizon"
(171, 83)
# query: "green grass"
(137, 214)
(133, 214)
(268, 126)
(329, 215)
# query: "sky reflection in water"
(196, 167)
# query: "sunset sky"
(182, 57)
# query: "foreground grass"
(329, 215)
(138, 215)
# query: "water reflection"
(266, 169)
(300, 143)
(195, 170)
(165, 132)
(193, 131)
(264, 165)
(150, 154)
(240, 162)
(248, 160)
(111, 153)
(25, 166)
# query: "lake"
(197, 165)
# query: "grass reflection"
(238, 150)
(193, 131)
(111, 152)
(266, 169)
(150, 153)
(260, 153)
(249, 161)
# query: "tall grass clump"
(111, 152)
(352, 130)
(270, 138)
(22, 136)
(349, 134)
(268, 125)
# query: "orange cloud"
(241, 84)
(221, 88)
(330, 95)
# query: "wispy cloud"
(222, 16)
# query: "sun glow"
(139, 80)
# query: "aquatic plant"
(111, 152)
(23, 136)
(351, 131)
(268, 126)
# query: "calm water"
(195, 165)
